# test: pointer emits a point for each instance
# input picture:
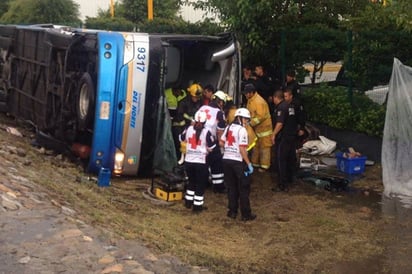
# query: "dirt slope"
(307, 230)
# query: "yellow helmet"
(195, 90)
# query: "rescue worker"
(199, 142)
(237, 166)
(173, 96)
(284, 139)
(262, 124)
(208, 92)
(216, 123)
(186, 109)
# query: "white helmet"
(200, 116)
(242, 112)
(221, 95)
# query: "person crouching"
(199, 141)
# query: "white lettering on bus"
(135, 108)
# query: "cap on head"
(249, 88)
(195, 90)
(200, 116)
(220, 95)
(242, 112)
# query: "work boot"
(188, 204)
(198, 209)
(220, 188)
(231, 214)
(280, 188)
(250, 217)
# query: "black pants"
(198, 176)
(214, 160)
(285, 150)
(238, 186)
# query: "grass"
(304, 231)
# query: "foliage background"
(279, 34)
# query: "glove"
(249, 170)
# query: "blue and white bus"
(101, 93)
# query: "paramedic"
(216, 123)
(237, 166)
(199, 142)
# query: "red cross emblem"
(192, 141)
(230, 138)
(207, 113)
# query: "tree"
(136, 10)
(63, 12)
(259, 25)
(107, 23)
(4, 6)
(380, 33)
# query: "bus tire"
(85, 101)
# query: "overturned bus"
(101, 94)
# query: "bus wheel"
(85, 101)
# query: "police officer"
(300, 114)
(237, 166)
(216, 123)
(199, 142)
(284, 138)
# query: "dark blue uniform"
(285, 143)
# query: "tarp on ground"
(397, 134)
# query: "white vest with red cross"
(234, 137)
(196, 151)
(211, 122)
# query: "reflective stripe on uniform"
(187, 116)
(198, 200)
(179, 124)
(264, 133)
(189, 195)
(217, 178)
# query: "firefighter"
(216, 123)
(237, 166)
(199, 142)
(262, 124)
(173, 96)
(186, 109)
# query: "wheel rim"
(83, 101)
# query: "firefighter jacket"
(186, 110)
(172, 100)
(260, 116)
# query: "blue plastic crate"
(350, 165)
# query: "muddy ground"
(54, 218)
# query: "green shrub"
(331, 106)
